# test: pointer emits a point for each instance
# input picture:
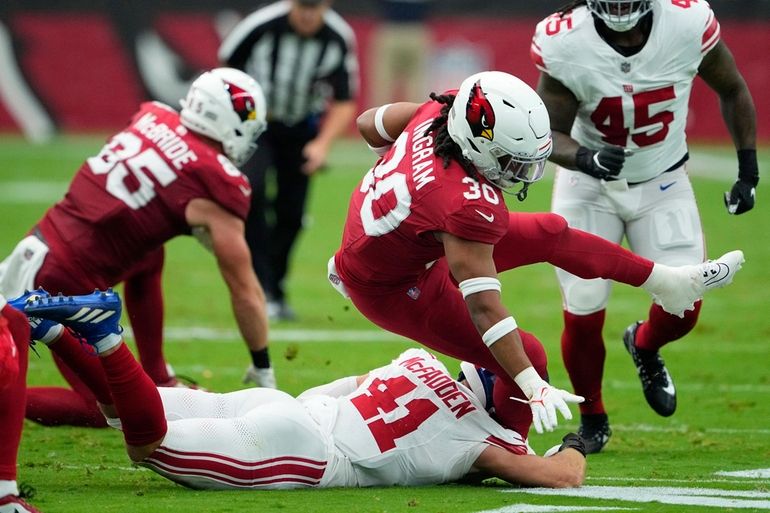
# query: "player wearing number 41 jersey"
(428, 230)
(616, 77)
(166, 174)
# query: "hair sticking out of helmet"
(480, 381)
(619, 15)
(502, 127)
(226, 105)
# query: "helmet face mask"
(619, 15)
(228, 106)
(502, 127)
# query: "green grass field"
(722, 369)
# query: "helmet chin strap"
(522, 194)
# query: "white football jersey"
(638, 102)
(411, 423)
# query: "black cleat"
(595, 431)
(657, 384)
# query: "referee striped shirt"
(299, 75)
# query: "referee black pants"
(279, 194)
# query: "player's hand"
(545, 399)
(602, 164)
(315, 153)
(741, 197)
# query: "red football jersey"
(130, 198)
(399, 204)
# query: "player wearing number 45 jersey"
(167, 173)
(428, 230)
(616, 77)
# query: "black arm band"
(748, 170)
(573, 441)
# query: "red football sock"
(56, 406)
(143, 297)
(79, 364)
(136, 398)
(12, 398)
(662, 328)
(583, 353)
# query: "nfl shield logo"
(625, 67)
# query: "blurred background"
(82, 66)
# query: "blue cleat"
(43, 330)
(94, 316)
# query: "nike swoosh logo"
(488, 217)
(669, 388)
(663, 187)
(714, 276)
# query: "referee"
(303, 54)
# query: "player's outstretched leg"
(676, 289)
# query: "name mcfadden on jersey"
(637, 101)
(443, 386)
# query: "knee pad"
(552, 224)
(583, 297)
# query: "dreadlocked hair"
(572, 5)
(444, 146)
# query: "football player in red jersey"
(167, 173)
(428, 230)
(616, 77)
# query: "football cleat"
(178, 380)
(15, 504)
(264, 378)
(279, 310)
(678, 288)
(595, 431)
(93, 316)
(42, 330)
(657, 384)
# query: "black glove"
(573, 441)
(740, 199)
(603, 164)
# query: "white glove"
(544, 399)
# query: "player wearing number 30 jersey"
(428, 230)
(616, 77)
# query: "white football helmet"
(619, 15)
(502, 127)
(228, 106)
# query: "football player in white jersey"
(407, 423)
(616, 77)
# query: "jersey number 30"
(380, 398)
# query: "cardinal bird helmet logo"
(243, 104)
(479, 113)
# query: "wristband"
(474, 285)
(748, 170)
(380, 150)
(380, 126)
(498, 331)
(526, 379)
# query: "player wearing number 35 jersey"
(616, 77)
(428, 230)
(166, 174)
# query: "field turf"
(722, 368)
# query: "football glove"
(544, 399)
(741, 197)
(603, 164)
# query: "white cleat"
(264, 378)
(676, 289)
